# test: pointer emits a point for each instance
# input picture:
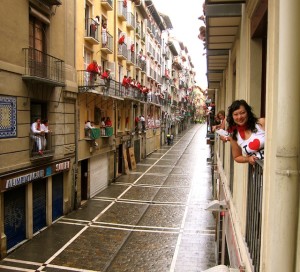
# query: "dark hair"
(252, 119)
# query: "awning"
(222, 24)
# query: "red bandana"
(240, 129)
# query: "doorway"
(84, 180)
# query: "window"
(37, 37)
(38, 110)
(87, 58)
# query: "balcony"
(122, 51)
(89, 82)
(133, 93)
(149, 26)
(92, 133)
(107, 4)
(106, 132)
(140, 64)
(138, 30)
(91, 34)
(153, 98)
(130, 21)
(113, 90)
(122, 11)
(108, 46)
(43, 68)
(130, 58)
(44, 143)
(254, 212)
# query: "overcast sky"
(184, 17)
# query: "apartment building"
(252, 54)
(37, 66)
(54, 69)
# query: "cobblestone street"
(152, 219)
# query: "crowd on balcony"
(129, 82)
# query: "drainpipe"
(75, 168)
(282, 174)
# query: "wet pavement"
(151, 220)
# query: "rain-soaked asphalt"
(152, 220)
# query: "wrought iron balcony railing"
(88, 81)
(42, 67)
(92, 30)
(130, 57)
(122, 51)
(122, 10)
(41, 146)
(113, 89)
(254, 212)
(107, 42)
(130, 21)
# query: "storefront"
(33, 197)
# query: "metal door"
(14, 216)
(39, 204)
(57, 196)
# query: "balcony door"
(37, 47)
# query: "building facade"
(37, 70)
(252, 54)
(56, 69)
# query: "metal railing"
(131, 20)
(87, 80)
(130, 56)
(254, 212)
(92, 29)
(109, 43)
(122, 50)
(113, 88)
(122, 10)
(42, 65)
(141, 63)
(42, 143)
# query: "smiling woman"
(247, 133)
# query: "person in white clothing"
(38, 134)
(45, 129)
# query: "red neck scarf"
(240, 129)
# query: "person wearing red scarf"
(247, 133)
(106, 76)
(94, 71)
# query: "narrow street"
(153, 219)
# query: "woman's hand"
(251, 159)
(225, 138)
